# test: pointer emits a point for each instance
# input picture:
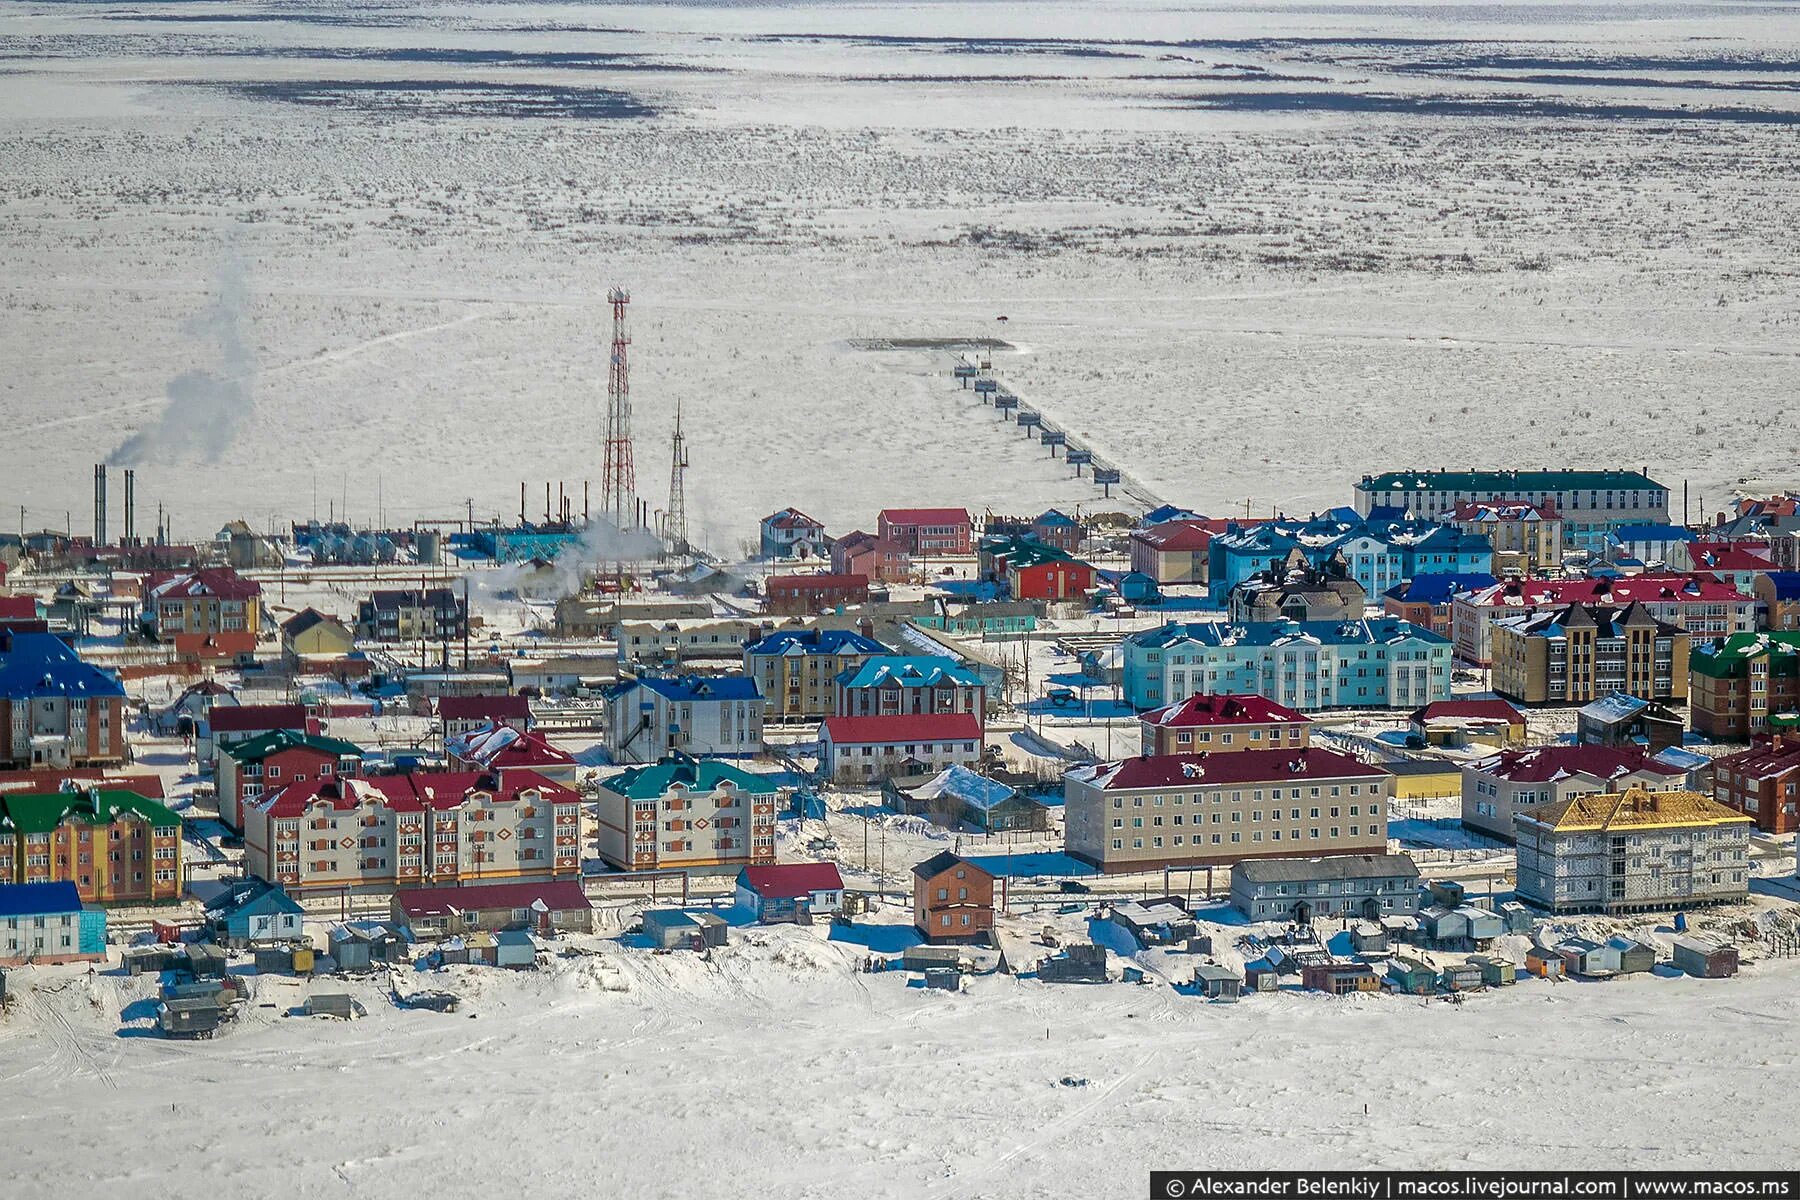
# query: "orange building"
(115, 846)
(953, 899)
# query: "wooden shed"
(330, 1004)
(1496, 972)
(1462, 977)
(1705, 959)
(206, 961)
(1339, 978)
(195, 1016)
(1411, 976)
(1635, 957)
(1217, 983)
(1544, 962)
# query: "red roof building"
(146, 785)
(1699, 603)
(1496, 787)
(1172, 552)
(790, 891)
(1763, 782)
(505, 749)
(871, 749)
(1458, 723)
(865, 554)
(209, 613)
(489, 907)
(1223, 723)
(252, 719)
(801, 595)
(925, 532)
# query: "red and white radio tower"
(618, 480)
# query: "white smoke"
(206, 407)
(600, 545)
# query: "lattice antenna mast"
(675, 520)
(618, 480)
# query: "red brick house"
(860, 553)
(1763, 782)
(927, 531)
(271, 761)
(953, 899)
(802, 595)
(1051, 576)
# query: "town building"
(43, 924)
(1763, 782)
(707, 716)
(1779, 594)
(591, 617)
(789, 893)
(1700, 604)
(1178, 810)
(431, 913)
(253, 912)
(1298, 591)
(871, 749)
(1375, 663)
(1500, 785)
(1052, 528)
(273, 760)
(1744, 685)
(875, 558)
(1740, 564)
(192, 608)
(957, 796)
(1527, 537)
(1583, 652)
(1426, 600)
(115, 846)
(55, 709)
(1644, 545)
(1037, 571)
(1458, 724)
(1365, 886)
(927, 532)
(311, 638)
(229, 724)
(458, 715)
(1621, 719)
(434, 615)
(1376, 552)
(894, 684)
(408, 830)
(1219, 724)
(678, 642)
(684, 812)
(502, 748)
(790, 533)
(796, 670)
(1635, 849)
(1590, 502)
(1172, 552)
(801, 595)
(953, 899)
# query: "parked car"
(1073, 887)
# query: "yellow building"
(1583, 652)
(312, 634)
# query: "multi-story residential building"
(1179, 810)
(1051, 528)
(268, 761)
(1583, 652)
(1034, 570)
(1297, 591)
(1700, 604)
(1634, 849)
(716, 716)
(115, 846)
(1376, 663)
(1500, 785)
(873, 557)
(1739, 687)
(790, 533)
(801, 595)
(1763, 782)
(1376, 552)
(1779, 594)
(1425, 600)
(436, 615)
(207, 602)
(869, 749)
(1218, 724)
(927, 532)
(1645, 545)
(1590, 502)
(413, 829)
(1365, 886)
(796, 670)
(56, 710)
(893, 684)
(683, 812)
(1173, 551)
(1740, 564)
(1527, 537)
(676, 641)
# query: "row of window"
(1256, 835)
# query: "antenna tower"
(675, 520)
(618, 480)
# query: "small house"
(673, 929)
(1080, 963)
(953, 899)
(1584, 956)
(790, 893)
(352, 949)
(1705, 959)
(1411, 976)
(330, 1004)
(1635, 957)
(47, 923)
(1462, 977)
(1217, 983)
(1443, 926)
(1370, 939)
(1517, 917)
(1544, 962)
(1495, 971)
(1339, 978)
(273, 960)
(1163, 921)
(253, 912)
(1261, 976)
(514, 950)
(198, 1016)
(946, 979)
(928, 958)
(441, 911)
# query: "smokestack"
(521, 501)
(130, 505)
(99, 504)
(546, 501)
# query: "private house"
(953, 899)
(1588, 959)
(1461, 723)
(233, 724)
(1745, 685)
(1427, 600)
(115, 846)
(273, 760)
(716, 716)
(1527, 537)
(1499, 786)
(1036, 571)
(1740, 564)
(684, 812)
(790, 893)
(1161, 921)
(1544, 962)
(1779, 594)
(790, 533)
(432, 913)
(1339, 978)
(1651, 545)
(957, 796)
(1173, 552)
(1763, 782)
(56, 711)
(989, 618)
(458, 715)
(1368, 886)
(1634, 849)
(1580, 653)
(893, 685)
(1411, 977)
(498, 749)
(395, 831)
(674, 929)
(1298, 591)
(1376, 552)
(437, 616)
(871, 749)
(187, 608)
(46, 923)
(253, 912)
(677, 642)
(1622, 719)
(796, 670)
(876, 559)
(1700, 604)
(801, 595)
(1221, 723)
(1375, 663)
(927, 532)
(1589, 502)
(1185, 810)
(311, 638)
(1051, 528)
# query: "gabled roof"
(238, 718)
(1634, 808)
(18, 608)
(1368, 631)
(306, 619)
(1548, 764)
(701, 775)
(40, 665)
(501, 747)
(791, 518)
(560, 896)
(1223, 709)
(905, 727)
(1730, 556)
(1495, 482)
(1314, 870)
(264, 744)
(1176, 535)
(38, 899)
(144, 783)
(1551, 593)
(1619, 706)
(1439, 588)
(1785, 584)
(1237, 767)
(919, 670)
(257, 895)
(943, 861)
(815, 641)
(960, 783)
(1765, 760)
(41, 812)
(791, 881)
(1504, 510)
(781, 584)
(693, 689)
(220, 582)
(1490, 710)
(1607, 621)
(410, 792)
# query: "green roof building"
(1745, 685)
(1589, 502)
(686, 813)
(114, 845)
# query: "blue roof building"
(46, 923)
(815, 642)
(897, 685)
(1376, 553)
(1439, 589)
(253, 912)
(708, 716)
(35, 666)
(909, 671)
